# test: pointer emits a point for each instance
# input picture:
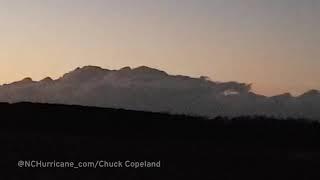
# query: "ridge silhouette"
(188, 147)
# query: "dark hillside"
(188, 147)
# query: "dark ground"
(189, 147)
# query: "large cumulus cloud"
(150, 89)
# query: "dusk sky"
(274, 44)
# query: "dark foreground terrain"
(188, 147)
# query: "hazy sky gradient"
(273, 44)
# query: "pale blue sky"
(273, 44)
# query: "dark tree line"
(189, 147)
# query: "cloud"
(149, 89)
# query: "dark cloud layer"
(148, 89)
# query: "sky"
(273, 44)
